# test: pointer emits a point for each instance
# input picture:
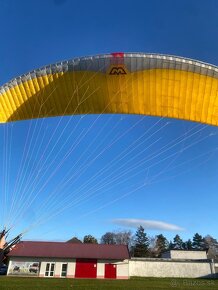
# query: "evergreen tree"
(171, 246)
(187, 245)
(198, 242)
(177, 243)
(141, 243)
(162, 245)
(89, 239)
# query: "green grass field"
(14, 283)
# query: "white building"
(52, 259)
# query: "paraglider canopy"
(128, 83)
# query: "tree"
(161, 245)
(198, 242)
(152, 250)
(212, 246)
(177, 243)
(171, 246)
(108, 238)
(123, 238)
(118, 237)
(89, 239)
(141, 243)
(187, 245)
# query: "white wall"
(167, 268)
(193, 255)
(122, 268)
(216, 268)
(71, 265)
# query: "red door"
(110, 271)
(86, 268)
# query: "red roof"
(68, 250)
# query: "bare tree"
(123, 237)
(108, 238)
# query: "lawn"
(18, 283)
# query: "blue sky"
(181, 190)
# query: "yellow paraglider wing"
(156, 85)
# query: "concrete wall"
(192, 255)
(216, 269)
(123, 270)
(170, 268)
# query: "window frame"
(63, 263)
(49, 271)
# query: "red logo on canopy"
(117, 54)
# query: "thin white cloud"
(147, 224)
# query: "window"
(64, 270)
(49, 270)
